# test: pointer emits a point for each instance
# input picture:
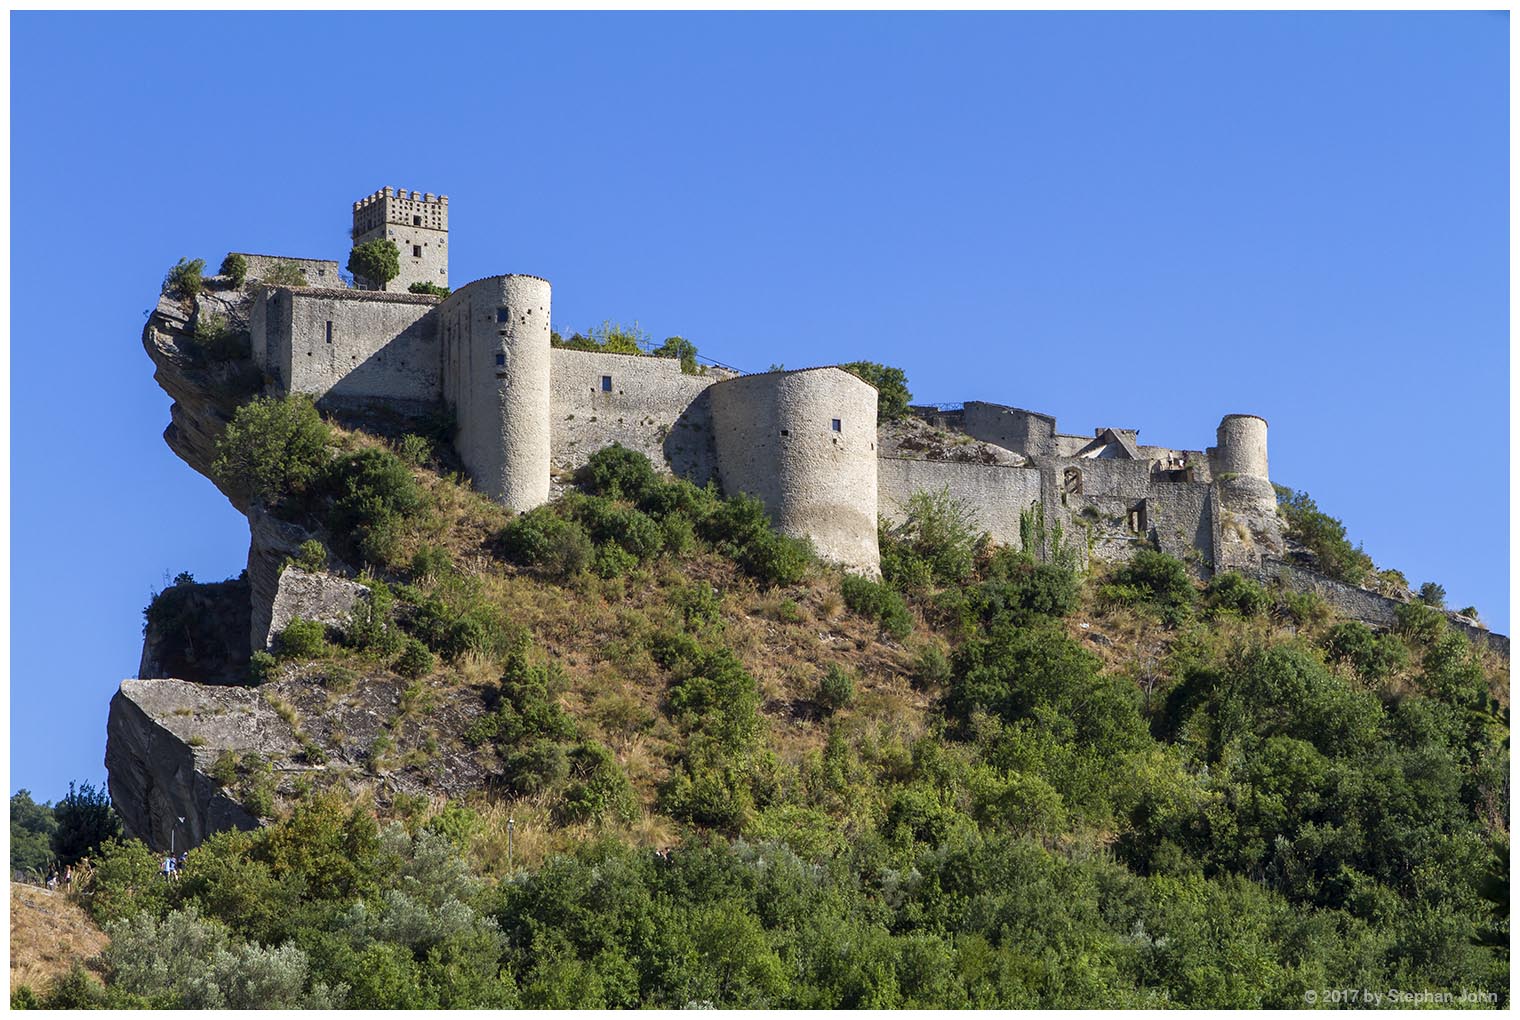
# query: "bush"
(272, 448)
(285, 273)
(1423, 625)
(302, 639)
(836, 689)
(939, 532)
(1373, 657)
(262, 667)
(1323, 536)
(428, 287)
(1231, 593)
(546, 543)
(1433, 594)
(376, 262)
(1153, 579)
(184, 280)
(370, 626)
(613, 561)
(539, 766)
(373, 496)
(610, 524)
(741, 530)
(432, 561)
(415, 660)
(598, 787)
(891, 384)
(877, 601)
(619, 473)
(235, 269)
(311, 556)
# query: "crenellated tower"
(418, 223)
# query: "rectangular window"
(416, 251)
(416, 221)
(606, 384)
(837, 426)
(501, 359)
(329, 331)
(501, 315)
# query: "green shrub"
(184, 278)
(1231, 593)
(538, 766)
(836, 689)
(285, 273)
(415, 660)
(415, 450)
(608, 523)
(235, 269)
(372, 497)
(891, 384)
(225, 769)
(376, 262)
(877, 601)
(272, 448)
(311, 556)
(1323, 536)
(1433, 594)
(371, 627)
(613, 561)
(775, 559)
(1374, 657)
(598, 787)
(939, 533)
(681, 349)
(428, 287)
(432, 561)
(1423, 625)
(548, 544)
(619, 473)
(262, 667)
(699, 605)
(1155, 580)
(932, 668)
(1018, 588)
(301, 639)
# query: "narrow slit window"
(329, 331)
(606, 384)
(837, 426)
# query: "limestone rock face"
(156, 777)
(271, 542)
(198, 632)
(320, 597)
(206, 387)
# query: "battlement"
(417, 223)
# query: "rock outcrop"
(321, 597)
(198, 632)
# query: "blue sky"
(1138, 220)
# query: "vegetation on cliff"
(720, 772)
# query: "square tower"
(417, 223)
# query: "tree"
(272, 448)
(32, 828)
(235, 268)
(680, 348)
(86, 819)
(376, 262)
(1433, 594)
(184, 278)
(428, 287)
(891, 384)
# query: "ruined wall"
(349, 347)
(775, 438)
(1177, 516)
(497, 378)
(318, 272)
(997, 493)
(1012, 428)
(642, 403)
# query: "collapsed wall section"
(497, 379)
(804, 442)
(318, 272)
(642, 403)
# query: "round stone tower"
(495, 338)
(1242, 448)
(804, 442)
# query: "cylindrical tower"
(804, 442)
(495, 335)
(1242, 448)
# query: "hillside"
(50, 935)
(636, 748)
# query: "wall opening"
(606, 384)
(1071, 482)
(416, 221)
(329, 331)
(501, 359)
(837, 425)
(416, 251)
(501, 315)
(1137, 523)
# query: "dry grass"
(49, 934)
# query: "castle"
(805, 441)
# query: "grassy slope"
(49, 934)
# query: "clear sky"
(1137, 220)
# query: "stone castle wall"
(804, 442)
(642, 403)
(997, 493)
(1012, 428)
(318, 272)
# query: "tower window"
(416, 221)
(501, 315)
(501, 359)
(416, 251)
(329, 331)
(837, 425)
(606, 384)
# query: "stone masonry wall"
(775, 439)
(996, 492)
(318, 272)
(651, 406)
(348, 348)
(1012, 428)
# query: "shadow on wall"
(688, 446)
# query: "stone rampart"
(1012, 428)
(318, 272)
(642, 403)
(996, 493)
(804, 442)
